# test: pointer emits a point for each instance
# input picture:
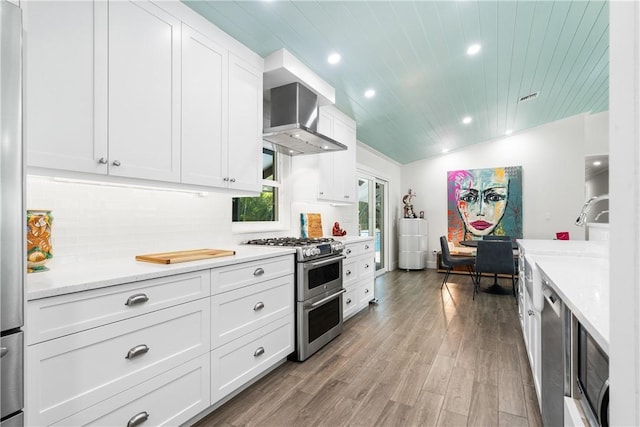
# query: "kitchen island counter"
(69, 278)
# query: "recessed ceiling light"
(508, 132)
(473, 49)
(369, 93)
(597, 163)
(334, 58)
(467, 120)
(445, 150)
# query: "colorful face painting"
(484, 202)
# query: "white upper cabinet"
(245, 125)
(144, 92)
(337, 170)
(65, 69)
(141, 90)
(204, 112)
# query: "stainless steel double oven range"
(318, 291)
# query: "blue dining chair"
(495, 256)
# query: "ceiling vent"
(529, 97)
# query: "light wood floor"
(421, 357)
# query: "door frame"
(373, 176)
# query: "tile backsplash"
(92, 220)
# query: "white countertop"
(583, 284)
(69, 278)
(564, 247)
(352, 239)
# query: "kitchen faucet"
(582, 218)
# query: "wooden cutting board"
(184, 256)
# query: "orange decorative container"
(39, 249)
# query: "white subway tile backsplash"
(93, 220)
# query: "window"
(263, 208)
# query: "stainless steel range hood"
(294, 122)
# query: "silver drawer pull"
(348, 300)
(348, 273)
(366, 266)
(116, 163)
(3, 351)
(136, 351)
(136, 299)
(366, 247)
(138, 419)
(103, 161)
(348, 251)
(258, 306)
(259, 352)
(366, 291)
(258, 271)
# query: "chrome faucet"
(605, 212)
(582, 218)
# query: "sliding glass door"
(372, 214)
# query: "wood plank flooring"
(421, 357)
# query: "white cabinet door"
(65, 85)
(204, 110)
(344, 162)
(337, 170)
(144, 92)
(245, 125)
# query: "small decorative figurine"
(337, 231)
(408, 206)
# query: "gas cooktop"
(307, 248)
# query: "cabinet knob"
(322, 193)
(116, 163)
(348, 300)
(232, 180)
(530, 312)
(136, 351)
(3, 351)
(366, 291)
(136, 299)
(348, 251)
(103, 161)
(366, 247)
(346, 196)
(138, 419)
(366, 266)
(258, 306)
(259, 352)
(225, 179)
(348, 273)
(258, 271)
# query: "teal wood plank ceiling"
(413, 53)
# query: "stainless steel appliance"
(294, 122)
(592, 378)
(553, 358)
(318, 291)
(12, 218)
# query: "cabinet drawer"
(236, 363)
(71, 373)
(171, 398)
(349, 271)
(63, 315)
(360, 248)
(365, 293)
(235, 276)
(366, 267)
(350, 302)
(239, 312)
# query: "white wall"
(552, 160)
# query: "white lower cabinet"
(71, 373)
(236, 363)
(532, 330)
(171, 398)
(358, 273)
(159, 351)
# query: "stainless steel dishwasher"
(553, 377)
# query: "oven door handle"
(323, 300)
(308, 265)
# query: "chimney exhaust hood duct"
(294, 122)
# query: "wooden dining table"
(470, 247)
